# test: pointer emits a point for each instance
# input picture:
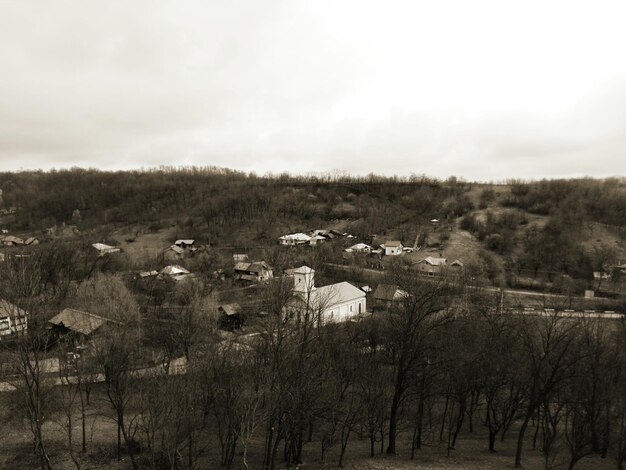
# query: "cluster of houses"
(389, 248)
(430, 266)
(314, 237)
(324, 304)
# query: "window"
(350, 307)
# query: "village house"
(174, 272)
(333, 303)
(144, 274)
(620, 269)
(433, 266)
(601, 275)
(317, 239)
(386, 294)
(239, 257)
(359, 248)
(392, 248)
(186, 244)
(104, 249)
(77, 325)
(12, 319)
(173, 253)
(31, 241)
(255, 272)
(322, 232)
(295, 239)
(12, 240)
(231, 316)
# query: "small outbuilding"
(104, 249)
(231, 317)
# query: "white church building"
(334, 303)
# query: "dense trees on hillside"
(220, 197)
(601, 201)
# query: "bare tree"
(423, 310)
(550, 357)
(29, 288)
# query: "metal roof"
(335, 294)
(174, 270)
(296, 236)
(78, 321)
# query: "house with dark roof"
(386, 294)
(173, 253)
(254, 272)
(186, 243)
(77, 324)
(231, 316)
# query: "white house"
(359, 248)
(12, 319)
(174, 272)
(392, 248)
(316, 239)
(104, 249)
(295, 239)
(333, 303)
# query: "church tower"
(303, 280)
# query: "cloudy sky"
(482, 90)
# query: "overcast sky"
(482, 90)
